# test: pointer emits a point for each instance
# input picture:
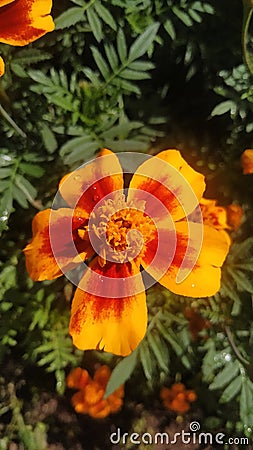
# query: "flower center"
(119, 229)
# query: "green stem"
(11, 122)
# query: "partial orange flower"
(177, 398)
(221, 217)
(89, 399)
(247, 161)
(197, 323)
(124, 234)
(23, 21)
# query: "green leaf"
(111, 56)
(223, 107)
(169, 27)
(246, 403)
(48, 137)
(182, 16)
(121, 46)
(160, 350)
(20, 197)
(231, 390)
(95, 23)
(146, 360)
(143, 42)
(79, 149)
(141, 65)
(102, 65)
(26, 187)
(32, 169)
(69, 18)
(229, 372)
(129, 74)
(105, 15)
(121, 373)
(127, 86)
(5, 172)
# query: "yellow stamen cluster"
(122, 228)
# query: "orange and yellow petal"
(78, 378)
(203, 272)
(99, 410)
(102, 375)
(79, 403)
(169, 178)
(85, 187)
(213, 215)
(2, 67)
(69, 249)
(24, 21)
(247, 161)
(234, 216)
(114, 324)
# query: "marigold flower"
(128, 232)
(90, 397)
(23, 21)
(177, 398)
(247, 161)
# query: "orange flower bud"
(247, 161)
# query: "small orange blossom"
(89, 398)
(247, 161)
(177, 398)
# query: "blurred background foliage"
(132, 75)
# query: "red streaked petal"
(169, 178)
(202, 274)
(24, 21)
(85, 187)
(114, 325)
(40, 260)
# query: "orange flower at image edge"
(90, 396)
(23, 21)
(247, 161)
(118, 323)
(177, 398)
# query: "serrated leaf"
(146, 360)
(121, 373)
(169, 27)
(127, 86)
(69, 18)
(223, 108)
(5, 208)
(102, 65)
(5, 172)
(129, 74)
(26, 187)
(227, 374)
(111, 56)
(143, 42)
(20, 197)
(48, 137)
(32, 169)
(184, 17)
(105, 15)
(141, 65)
(95, 23)
(231, 390)
(159, 350)
(121, 46)
(246, 403)
(79, 149)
